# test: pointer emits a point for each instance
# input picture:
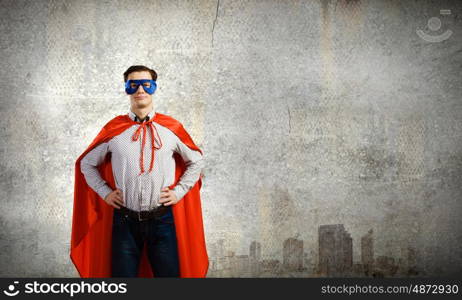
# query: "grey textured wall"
(331, 129)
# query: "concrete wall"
(310, 113)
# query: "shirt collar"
(132, 115)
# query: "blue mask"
(132, 85)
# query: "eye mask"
(132, 85)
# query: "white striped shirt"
(142, 192)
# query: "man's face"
(140, 99)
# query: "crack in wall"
(214, 21)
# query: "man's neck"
(141, 113)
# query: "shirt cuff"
(179, 192)
(104, 191)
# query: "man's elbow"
(199, 164)
(85, 166)
(202, 162)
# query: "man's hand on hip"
(167, 197)
(115, 198)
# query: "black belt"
(144, 214)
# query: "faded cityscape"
(335, 259)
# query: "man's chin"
(141, 103)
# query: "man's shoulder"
(166, 118)
(115, 126)
(169, 122)
(120, 119)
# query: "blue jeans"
(128, 237)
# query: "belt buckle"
(139, 216)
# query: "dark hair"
(139, 68)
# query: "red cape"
(92, 217)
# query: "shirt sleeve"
(89, 167)
(194, 165)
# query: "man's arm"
(194, 165)
(89, 167)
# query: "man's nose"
(140, 89)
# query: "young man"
(137, 205)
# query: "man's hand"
(115, 198)
(167, 197)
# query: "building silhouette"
(292, 254)
(270, 267)
(384, 267)
(254, 257)
(335, 250)
(242, 266)
(367, 252)
(335, 258)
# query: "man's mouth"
(140, 97)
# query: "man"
(137, 205)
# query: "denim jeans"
(128, 237)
